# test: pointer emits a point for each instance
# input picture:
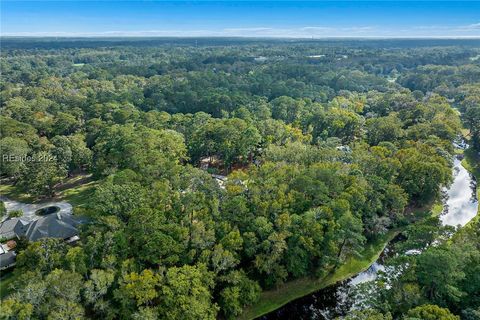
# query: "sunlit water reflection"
(461, 203)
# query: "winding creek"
(460, 205)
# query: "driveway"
(29, 209)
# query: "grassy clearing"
(437, 209)
(77, 193)
(273, 299)
(13, 192)
(76, 190)
(78, 196)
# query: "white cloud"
(470, 27)
(260, 29)
(316, 29)
(465, 31)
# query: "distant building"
(207, 162)
(346, 149)
(221, 180)
(260, 59)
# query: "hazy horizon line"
(237, 36)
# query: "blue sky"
(296, 19)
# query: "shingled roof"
(7, 260)
(12, 228)
(55, 225)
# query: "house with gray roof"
(7, 259)
(13, 228)
(55, 225)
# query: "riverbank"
(457, 208)
(271, 300)
(471, 162)
(274, 299)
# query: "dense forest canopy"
(326, 147)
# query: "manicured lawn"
(273, 299)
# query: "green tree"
(368, 314)
(155, 239)
(153, 153)
(384, 129)
(62, 151)
(239, 292)
(76, 260)
(96, 290)
(186, 294)
(349, 235)
(3, 209)
(232, 140)
(340, 123)
(119, 195)
(139, 288)
(440, 285)
(15, 214)
(44, 256)
(63, 295)
(81, 154)
(430, 312)
(42, 174)
(12, 150)
(66, 310)
(65, 124)
(423, 172)
(472, 119)
(14, 308)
